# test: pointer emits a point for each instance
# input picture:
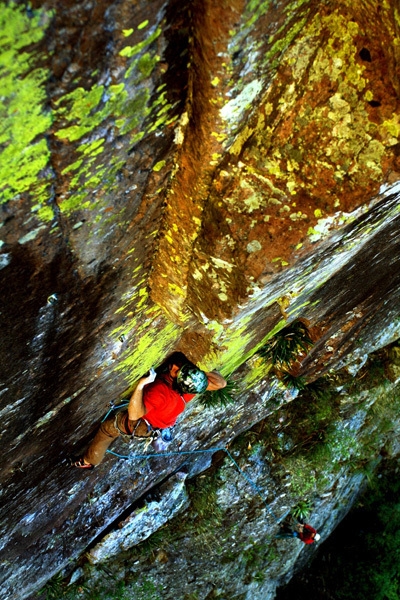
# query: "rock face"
(314, 453)
(180, 175)
(145, 521)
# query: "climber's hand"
(148, 378)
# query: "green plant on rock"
(302, 509)
(144, 590)
(54, 589)
(323, 389)
(298, 383)
(222, 397)
(255, 557)
(286, 346)
(343, 445)
(208, 514)
(150, 545)
(46, 592)
(302, 478)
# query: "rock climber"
(302, 531)
(306, 533)
(157, 401)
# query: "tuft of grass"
(299, 383)
(54, 589)
(208, 514)
(302, 510)
(222, 397)
(286, 346)
(324, 388)
(303, 481)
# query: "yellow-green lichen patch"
(158, 166)
(80, 108)
(87, 110)
(259, 367)
(254, 10)
(152, 343)
(84, 114)
(247, 41)
(273, 55)
(237, 345)
(23, 118)
(130, 51)
(390, 130)
(344, 142)
(232, 350)
(146, 64)
(233, 345)
(320, 136)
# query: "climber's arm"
(215, 381)
(136, 407)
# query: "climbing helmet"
(191, 380)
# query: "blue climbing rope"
(113, 408)
(181, 452)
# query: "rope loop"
(213, 450)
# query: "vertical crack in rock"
(199, 149)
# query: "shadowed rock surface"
(180, 175)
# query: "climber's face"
(173, 371)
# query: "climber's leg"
(283, 535)
(106, 434)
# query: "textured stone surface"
(192, 176)
(145, 521)
(225, 543)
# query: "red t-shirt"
(306, 535)
(163, 404)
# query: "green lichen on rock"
(314, 143)
(85, 114)
(23, 116)
(287, 33)
(85, 111)
(153, 342)
(80, 108)
(130, 51)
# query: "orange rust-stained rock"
(322, 155)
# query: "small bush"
(302, 479)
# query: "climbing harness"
(151, 433)
(182, 452)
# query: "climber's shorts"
(128, 427)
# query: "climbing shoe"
(80, 463)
